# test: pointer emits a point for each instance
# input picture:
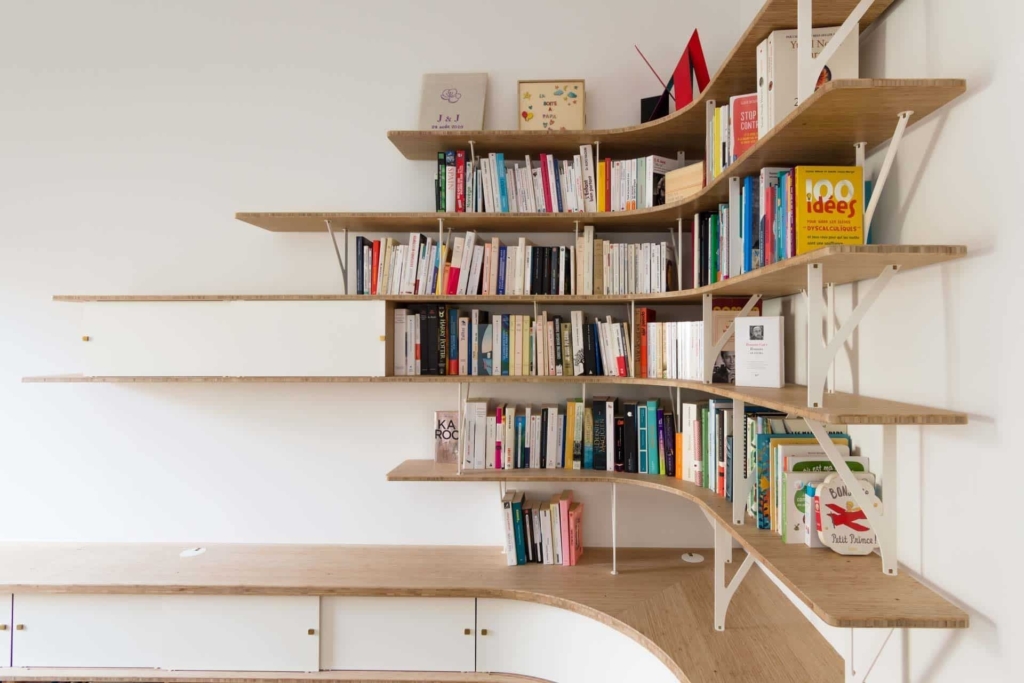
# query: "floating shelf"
(822, 130)
(658, 600)
(681, 130)
(44, 675)
(844, 591)
(839, 408)
(842, 265)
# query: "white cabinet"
(6, 629)
(198, 632)
(234, 338)
(87, 630)
(241, 632)
(397, 634)
(557, 645)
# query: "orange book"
(575, 533)
(679, 453)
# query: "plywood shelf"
(822, 130)
(663, 603)
(44, 675)
(839, 408)
(843, 591)
(842, 265)
(681, 130)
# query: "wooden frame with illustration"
(552, 104)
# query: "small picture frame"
(552, 105)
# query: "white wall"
(130, 134)
(947, 336)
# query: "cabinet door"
(242, 632)
(235, 338)
(556, 645)
(6, 628)
(397, 634)
(87, 630)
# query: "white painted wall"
(947, 336)
(130, 134)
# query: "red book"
(547, 186)
(608, 184)
(743, 119)
(642, 317)
(499, 432)
(769, 227)
(376, 264)
(460, 179)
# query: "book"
(742, 124)
(520, 532)
(510, 527)
(446, 436)
(760, 352)
(829, 206)
(564, 503)
(575, 533)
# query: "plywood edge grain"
(160, 676)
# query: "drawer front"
(398, 634)
(87, 630)
(235, 338)
(241, 633)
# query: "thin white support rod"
(741, 484)
(708, 343)
(809, 67)
(472, 150)
(342, 263)
(440, 233)
(723, 591)
(859, 151)
(460, 418)
(597, 157)
(583, 391)
(501, 496)
(615, 521)
(888, 526)
(883, 173)
(875, 515)
(820, 356)
(634, 338)
(854, 676)
(679, 252)
(830, 331)
(709, 358)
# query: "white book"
(470, 177)
(485, 270)
(492, 271)
(556, 532)
(589, 182)
(507, 443)
(401, 315)
(538, 191)
(510, 270)
(510, 533)
(527, 269)
(762, 89)
(760, 352)
(466, 262)
(473, 354)
(563, 185)
(531, 186)
(518, 320)
(463, 346)
(411, 325)
(423, 269)
(449, 191)
(492, 161)
(545, 532)
(485, 181)
(510, 189)
(577, 183)
(645, 264)
(570, 258)
(490, 442)
(411, 261)
(540, 345)
(588, 259)
(475, 269)
(522, 253)
(495, 344)
(535, 424)
(561, 270)
(616, 166)
(552, 337)
(609, 420)
(576, 317)
(524, 182)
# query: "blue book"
(499, 161)
(453, 341)
(501, 269)
(653, 461)
(748, 223)
(561, 441)
(517, 523)
(642, 437)
(588, 448)
(557, 200)
(486, 351)
(360, 242)
(520, 443)
(435, 271)
(596, 341)
(504, 343)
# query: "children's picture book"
(829, 206)
(453, 101)
(552, 105)
(446, 436)
(842, 524)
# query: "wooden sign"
(842, 524)
(552, 105)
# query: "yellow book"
(600, 187)
(829, 206)
(570, 421)
(441, 271)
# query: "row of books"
(731, 132)
(494, 184)
(543, 531)
(591, 266)
(641, 438)
(783, 212)
(434, 339)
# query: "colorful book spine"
(460, 181)
(499, 160)
(653, 461)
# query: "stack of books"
(434, 339)
(543, 531)
(494, 184)
(641, 438)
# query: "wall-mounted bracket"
(882, 520)
(712, 347)
(853, 676)
(883, 173)
(809, 67)
(820, 355)
(615, 520)
(723, 555)
(342, 262)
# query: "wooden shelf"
(680, 130)
(842, 265)
(822, 130)
(660, 601)
(839, 408)
(844, 591)
(163, 676)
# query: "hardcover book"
(446, 436)
(760, 352)
(453, 101)
(829, 206)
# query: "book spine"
(460, 181)
(510, 533)
(517, 509)
(449, 190)
(499, 160)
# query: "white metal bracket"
(342, 262)
(883, 173)
(615, 519)
(820, 355)
(854, 676)
(809, 67)
(712, 347)
(723, 555)
(882, 519)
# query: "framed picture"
(453, 101)
(552, 105)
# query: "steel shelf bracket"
(711, 347)
(883, 173)
(723, 555)
(853, 676)
(883, 520)
(615, 519)
(821, 355)
(342, 262)
(808, 67)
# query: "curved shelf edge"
(880, 601)
(22, 675)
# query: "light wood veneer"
(160, 676)
(843, 591)
(660, 601)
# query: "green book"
(653, 461)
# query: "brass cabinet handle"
(467, 631)
(3, 627)
(483, 632)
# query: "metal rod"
(634, 337)
(461, 427)
(472, 151)
(679, 253)
(615, 519)
(852, 676)
(830, 330)
(883, 174)
(723, 591)
(341, 262)
(708, 361)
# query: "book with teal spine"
(499, 160)
(517, 520)
(642, 437)
(520, 444)
(653, 461)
